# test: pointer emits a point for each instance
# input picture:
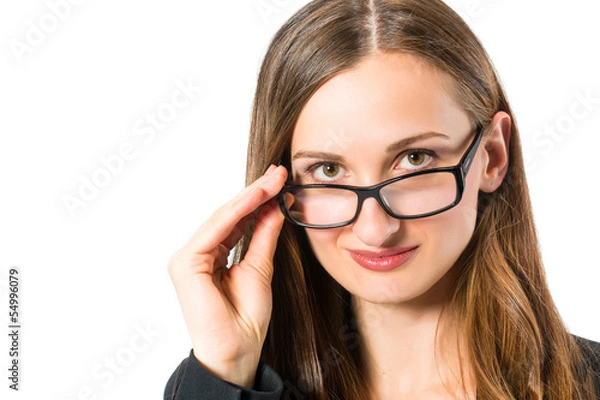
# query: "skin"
(385, 98)
(227, 312)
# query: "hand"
(227, 311)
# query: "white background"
(90, 281)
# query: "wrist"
(240, 372)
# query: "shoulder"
(590, 351)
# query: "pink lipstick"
(382, 260)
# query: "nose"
(374, 225)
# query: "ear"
(496, 148)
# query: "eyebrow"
(410, 140)
(394, 147)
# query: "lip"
(382, 260)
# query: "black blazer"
(191, 381)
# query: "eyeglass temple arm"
(470, 154)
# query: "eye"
(330, 170)
(324, 172)
(416, 159)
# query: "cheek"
(452, 230)
(446, 235)
(323, 242)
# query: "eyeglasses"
(416, 195)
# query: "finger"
(264, 239)
(224, 221)
(239, 229)
(186, 264)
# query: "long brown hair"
(516, 344)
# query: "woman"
(408, 266)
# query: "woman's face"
(354, 131)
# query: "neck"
(408, 353)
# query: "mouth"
(383, 260)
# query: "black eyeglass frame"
(459, 171)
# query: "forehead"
(385, 97)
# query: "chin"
(407, 285)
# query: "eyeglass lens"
(417, 195)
